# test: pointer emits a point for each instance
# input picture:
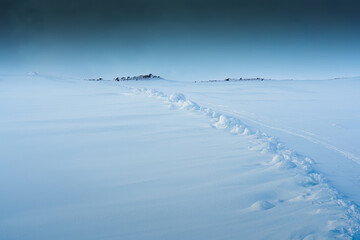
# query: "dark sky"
(276, 38)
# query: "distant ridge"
(136, 78)
(128, 78)
(234, 80)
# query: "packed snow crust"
(318, 118)
(109, 160)
(284, 158)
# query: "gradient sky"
(182, 39)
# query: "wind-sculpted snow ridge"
(317, 189)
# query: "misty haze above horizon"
(194, 39)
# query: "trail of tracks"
(296, 132)
(283, 157)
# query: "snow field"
(88, 160)
(319, 191)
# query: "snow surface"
(319, 119)
(178, 160)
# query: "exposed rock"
(235, 80)
(93, 79)
(140, 77)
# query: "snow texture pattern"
(318, 190)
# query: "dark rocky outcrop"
(140, 77)
(235, 80)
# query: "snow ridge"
(319, 190)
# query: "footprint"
(261, 206)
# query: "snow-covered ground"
(178, 160)
(320, 119)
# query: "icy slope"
(89, 160)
